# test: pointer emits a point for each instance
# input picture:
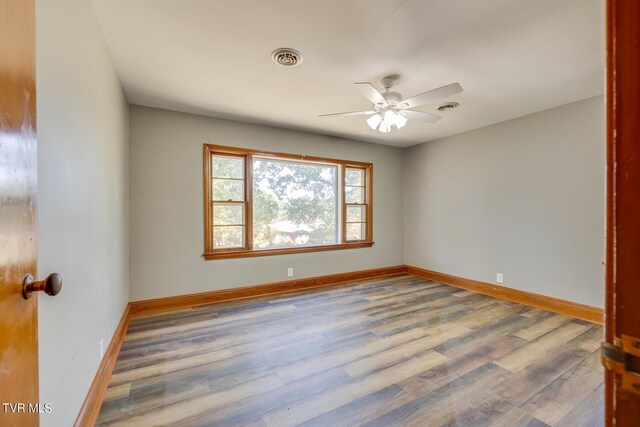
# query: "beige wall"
(167, 211)
(524, 198)
(82, 200)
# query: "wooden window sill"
(243, 253)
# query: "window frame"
(209, 150)
(366, 203)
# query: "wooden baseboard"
(190, 300)
(581, 311)
(91, 406)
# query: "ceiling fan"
(389, 109)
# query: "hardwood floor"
(395, 350)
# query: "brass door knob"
(51, 286)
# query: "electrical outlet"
(499, 278)
(101, 349)
(290, 272)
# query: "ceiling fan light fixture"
(394, 119)
(389, 117)
(374, 121)
(400, 120)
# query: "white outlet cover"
(499, 278)
(101, 348)
(290, 272)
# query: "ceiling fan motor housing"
(392, 98)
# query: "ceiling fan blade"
(352, 113)
(432, 95)
(419, 115)
(371, 93)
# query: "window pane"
(228, 237)
(228, 190)
(228, 167)
(354, 177)
(356, 231)
(354, 194)
(356, 214)
(294, 204)
(228, 214)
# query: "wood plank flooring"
(395, 350)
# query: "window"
(260, 203)
(355, 203)
(295, 203)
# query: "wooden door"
(18, 174)
(623, 211)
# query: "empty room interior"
(336, 213)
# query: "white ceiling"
(213, 57)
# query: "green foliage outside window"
(295, 204)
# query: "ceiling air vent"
(286, 57)
(448, 106)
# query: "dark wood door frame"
(623, 198)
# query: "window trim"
(210, 253)
(367, 203)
